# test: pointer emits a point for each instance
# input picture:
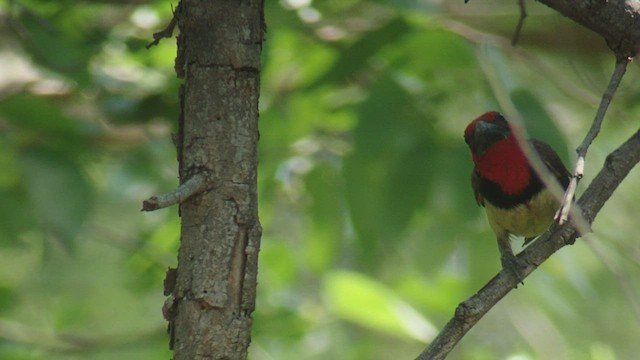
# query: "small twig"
(196, 184)
(621, 67)
(562, 215)
(616, 77)
(167, 32)
(523, 15)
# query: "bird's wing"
(551, 159)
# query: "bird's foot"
(514, 265)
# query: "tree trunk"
(215, 284)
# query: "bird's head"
(486, 130)
(496, 154)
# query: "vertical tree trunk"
(214, 295)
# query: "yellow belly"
(529, 220)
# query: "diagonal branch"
(616, 78)
(469, 312)
(617, 21)
(614, 82)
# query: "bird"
(516, 200)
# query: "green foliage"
(371, 233)
(364, 301)
(392, 153)
(58, 192)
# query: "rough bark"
(214, 287)
(617, 21)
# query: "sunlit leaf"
(354, 58)
(278, 264)
(329, 216)
(538, 121)
(38, 114)
(15, 216)
(63, 40)
(368, 303)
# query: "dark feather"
(551, 159)
(475, 185)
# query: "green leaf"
(389, 172)
(59, 192)
(41, 120)
(366, 302)
(8, 299)
(38, 114)
(328, 212)
(445, 51)
(15, 217)
(278, 259)
(538, 121)
(437, 293)
(64, 38)
(354, 58)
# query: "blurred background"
(371, 233)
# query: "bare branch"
(562, 214)
(196, 184)
(468, 313)
(616, 78)
(167, 32)
(617, 21)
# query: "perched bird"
(516, 201)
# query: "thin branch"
(469, 312)
(167, 32)
(523, 15)
(196, 184)
(616, 78)
(618, 22)
(614, 82)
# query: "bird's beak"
(487, 134)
